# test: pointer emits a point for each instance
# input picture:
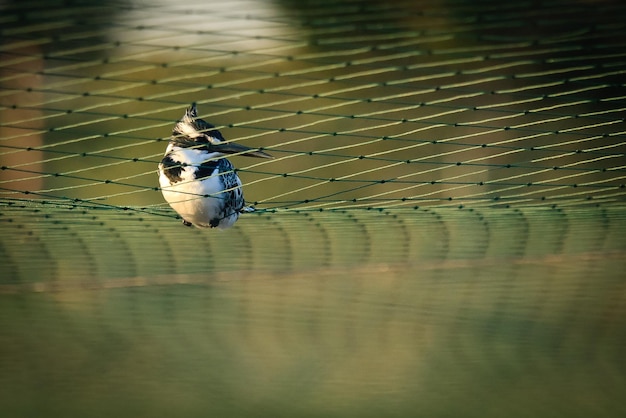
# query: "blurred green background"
(397, 313)
(469, 313)
(482, 278)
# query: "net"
(439, 107)
(441, 228)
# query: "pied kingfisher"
(196, 180)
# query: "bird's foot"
(187, 223)
(247, 209)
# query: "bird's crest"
(191, 113)
(190, 126)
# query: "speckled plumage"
(198, 182)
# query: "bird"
(196, 178)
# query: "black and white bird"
(197, 180)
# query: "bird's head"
(193, 132)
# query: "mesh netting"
(441, 231)
(373, 105)
(337, 313)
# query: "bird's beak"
(232, 148)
